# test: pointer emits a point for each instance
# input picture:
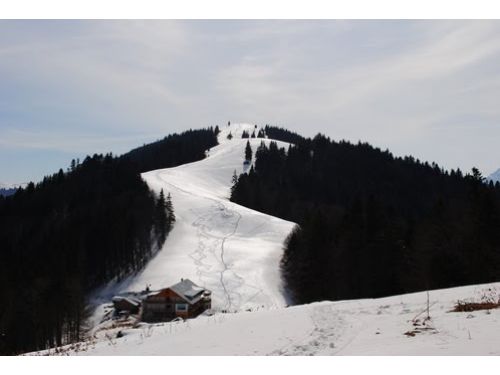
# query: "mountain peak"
(495, 176)
(237, 129)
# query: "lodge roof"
(186, 289)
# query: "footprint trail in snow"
(231, 250)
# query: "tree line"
(175, 149)
(371, 224)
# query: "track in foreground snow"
(358, 327)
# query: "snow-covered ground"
(229, 249)
(358, 327)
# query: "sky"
(71, 88)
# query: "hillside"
(77, 230)
(229, 249)
(372, 224)
(358, 210)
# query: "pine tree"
(229, 136)
(476, 175)
(161, 219)
(253, 134)
(170, 212)
(248, 152)
(234, 181)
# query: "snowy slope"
(231, 250)
(358, 327)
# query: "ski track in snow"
(204, 226)
(229, 249)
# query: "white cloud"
(401, 84)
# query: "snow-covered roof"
(188, 290)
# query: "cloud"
(407, 85)
(75, 143)
(432, 75)
(116, 70)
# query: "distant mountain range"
(9, 189)
(495, 176)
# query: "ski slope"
(357, 327)
(229, 249)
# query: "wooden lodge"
(184, 299)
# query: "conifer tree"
(170, 212)
(234, 181)
(161, 223)
(248, 152)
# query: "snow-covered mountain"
(495, 176)
(231, 250)
(9, 189)
(386, 326)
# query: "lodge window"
(181, 307)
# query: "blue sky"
(71, 88)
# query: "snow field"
(358, 327)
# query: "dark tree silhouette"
(371, 224)
(248, 152)
(170, 212)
